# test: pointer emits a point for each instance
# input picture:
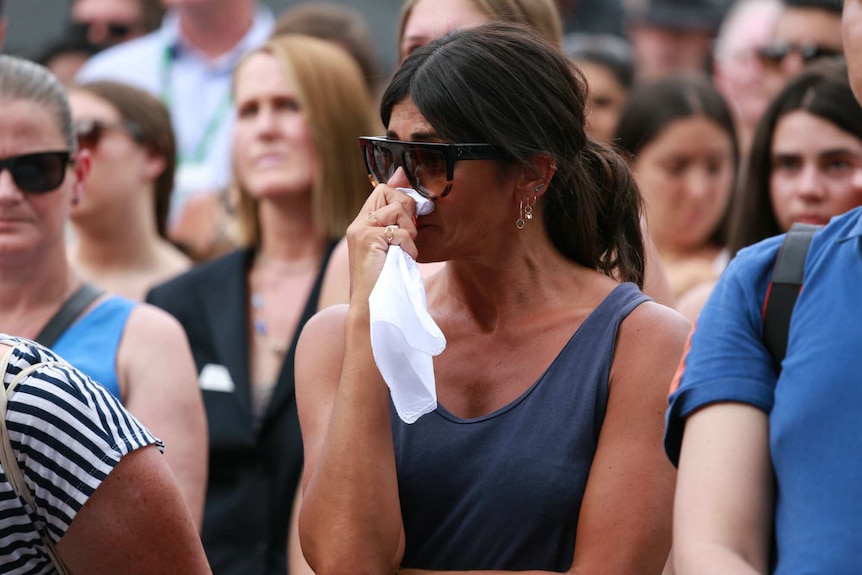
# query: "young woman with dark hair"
(813, 128)
(680, 139)
(546, 331)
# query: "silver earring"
(520, 223)
(528, 210)
(539, 188)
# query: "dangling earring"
(520, 223)
(528, 210)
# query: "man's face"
(801, 35)
(108, 22)
(852, 30)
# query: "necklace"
(260, 328)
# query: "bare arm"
(162, 392)
(350, 519)
(724, 497)
(296, 563)
(350, 515)
(625, 520)
(135, 523)
(336, 280)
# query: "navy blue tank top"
(503, 491)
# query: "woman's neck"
(32, 288)
(117, 242)
(288, 236)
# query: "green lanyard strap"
(215, 122)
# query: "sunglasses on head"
(37, 173)
(429, 166)
(775, 53)
(90, 132)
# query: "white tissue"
(404, 337)
(424, 206)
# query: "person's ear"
(155, 165)
(536, 176)
(81, 168)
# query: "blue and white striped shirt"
(68, 434)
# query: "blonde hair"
(541, 15)
(332, 94)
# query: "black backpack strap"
(784, 288)
(68, 313)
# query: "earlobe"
(81, 168)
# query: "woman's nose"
(398, 179)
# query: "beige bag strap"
(7, 455)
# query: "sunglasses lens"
(118, 31)
(380, 161)
(89, 134)
(39, 173)
(773, 55)
(426, 169)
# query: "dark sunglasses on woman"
(37, 173)
(429, 166)
(90, 132)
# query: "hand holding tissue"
(404, 337)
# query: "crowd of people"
(267, 308)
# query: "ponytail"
(593, 212)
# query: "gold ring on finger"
(389, 233)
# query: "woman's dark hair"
(505, 85)
(822, 90)
(653, 106)
(153, 120)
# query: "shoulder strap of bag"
(7, 455)
(66, 315)
(784, 288)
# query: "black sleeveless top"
(503, 491)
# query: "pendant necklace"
(260, 327)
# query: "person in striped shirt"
(102, 494)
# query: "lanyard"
(215, 122)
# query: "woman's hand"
(387, 218)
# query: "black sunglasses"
(429, 166)
(37, 173)
(90, 132)
(775, 53)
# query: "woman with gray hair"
(82, 485)
(137, 352)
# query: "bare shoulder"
(323, 334)
(652, 334)
(152, 326)
(652, 319)
(692, 301)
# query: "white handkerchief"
(404, 337)
(424, 206)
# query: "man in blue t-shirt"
(769, 463)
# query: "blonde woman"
(301, 105)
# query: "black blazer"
(253, 474)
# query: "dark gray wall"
(33, 24)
